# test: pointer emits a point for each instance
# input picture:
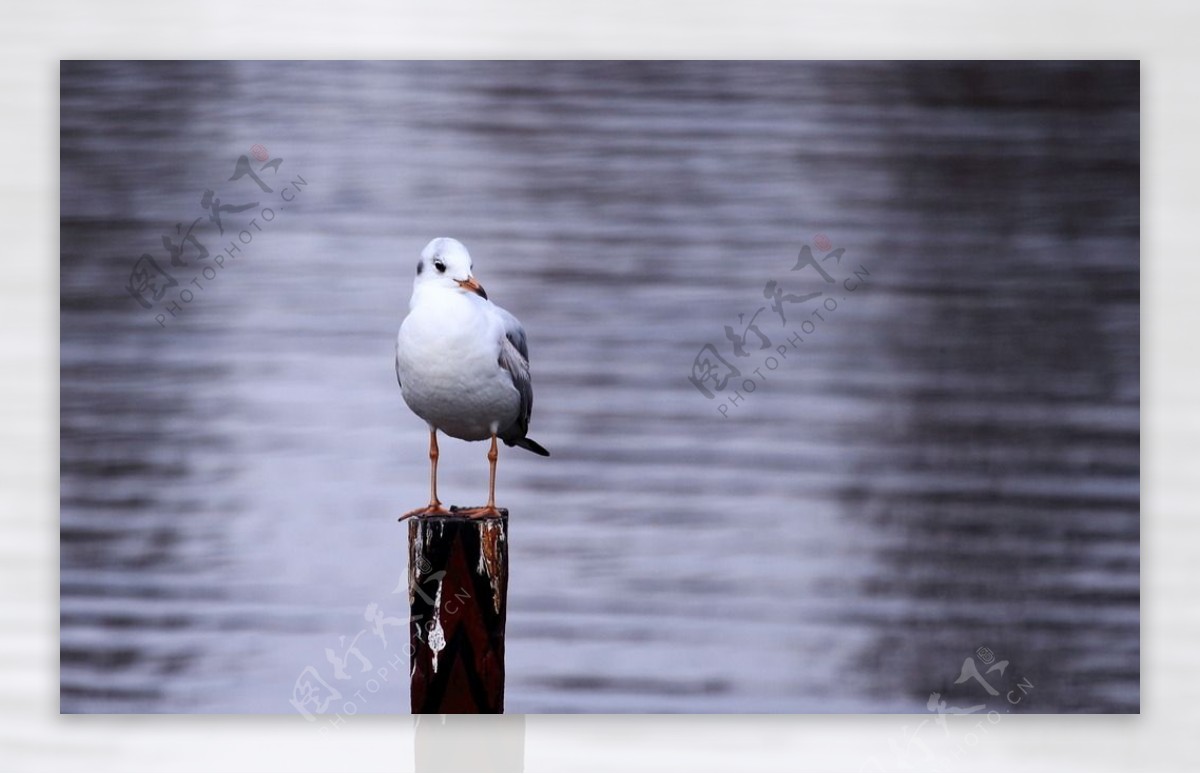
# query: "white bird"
(463, 364)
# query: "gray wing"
(514, 333)
(514, 358)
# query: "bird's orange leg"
(435, 506)
(490, 510)
(493, 455)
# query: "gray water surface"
(948, 461)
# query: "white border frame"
(35, 36)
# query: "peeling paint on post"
(457, 592)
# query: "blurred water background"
(948, 462)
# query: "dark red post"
(457, 593)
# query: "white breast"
(447, 360)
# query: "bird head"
(445, 263)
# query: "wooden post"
(457, 594)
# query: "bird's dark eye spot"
(420, 266)
(441, 267)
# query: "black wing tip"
(533, 446)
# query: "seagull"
(463, 365)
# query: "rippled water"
(948, 461)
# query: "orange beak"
(472, 285)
